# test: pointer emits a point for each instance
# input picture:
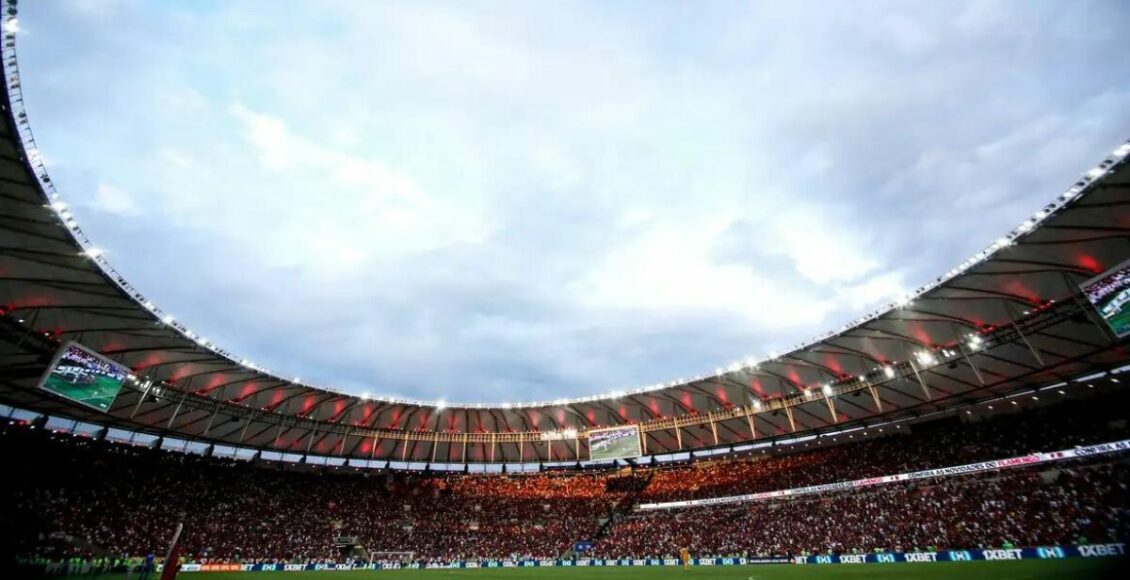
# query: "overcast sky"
(487, 201)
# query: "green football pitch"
(100, 394)
(1074, 569)
(623, 447)
(1120, 323)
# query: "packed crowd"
(950, 441)
(1030, 507)
(125, 500)
(129, 500)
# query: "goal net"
(401, 557)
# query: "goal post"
(391, 556)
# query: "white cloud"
(635, 216)
(326, 208)
(668, 267)
(115, 201)
(822, 240)
(870, 293)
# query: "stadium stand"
(254, 511)
(1027, 507)
(944, 442)
(240, 510)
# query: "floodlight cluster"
(748, 364)
(561, 435)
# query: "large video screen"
(1109, 292)
(615, 443)
(84, 376)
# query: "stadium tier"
(263, 511)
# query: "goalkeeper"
(685, 556)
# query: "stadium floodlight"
(365, 396)
(827, 390)
(569, 434)
(890, 372)
(168, 318)
(92, 252)
(1122, 151)
(925, 357)
(12, 26)
(441, 405)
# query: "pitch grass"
(1073, 569)
(100, 394)
(1120, 322)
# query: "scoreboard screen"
(614, 443)
(84, 376)
(1109, 293)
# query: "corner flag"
(172, 558)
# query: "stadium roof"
(1009, 319)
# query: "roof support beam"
(917, 375)
(141, 398)
(173, 417)
(208, 427)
